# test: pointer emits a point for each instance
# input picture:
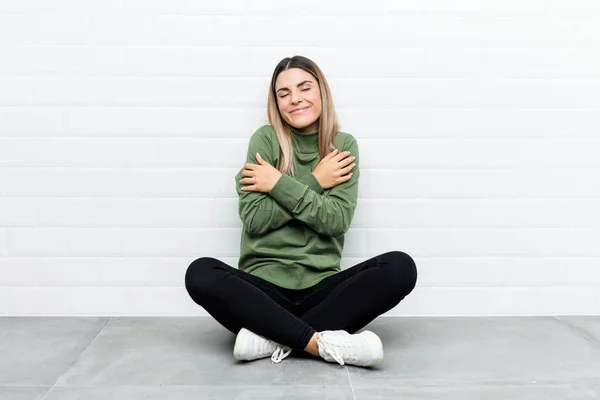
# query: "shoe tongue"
(324, 346)
(323, 353)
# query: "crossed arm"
(300, 198)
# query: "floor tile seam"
(77, 358)
(578, 331)
(592, 392)
(350, 382)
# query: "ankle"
(312, 346)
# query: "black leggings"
(347, 300)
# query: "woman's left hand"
(260, 177)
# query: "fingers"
(331, 154)
(247, 180)
(336, 155)
(341, 156)
(347, 160)
(343, 178)
(347, 176)
(348, 168)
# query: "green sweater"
(293, 236)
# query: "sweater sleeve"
(259, 212)
(329, 214)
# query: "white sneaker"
(362, 349)
(250, 346)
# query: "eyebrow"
(300, 84)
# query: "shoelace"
(280, 353)
(338, 349)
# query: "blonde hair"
(328, 123)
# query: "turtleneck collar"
(298, 132)
(306, 142)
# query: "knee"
(403, 270)
(198, 276)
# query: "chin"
(301, 126)
(305, 121)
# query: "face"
(299, 99)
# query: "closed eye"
(304, 90)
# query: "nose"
(296, 98)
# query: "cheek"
(317, 105)
(281, 108)
(316, 100)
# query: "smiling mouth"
(300, 110)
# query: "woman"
(288, 293)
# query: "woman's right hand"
(332, 169)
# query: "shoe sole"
(373, 338)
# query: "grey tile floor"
(135, 358)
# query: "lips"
(298, 109)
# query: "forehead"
(292, 77)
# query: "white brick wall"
(123, 123)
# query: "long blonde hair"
(328, 122)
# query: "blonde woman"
(297, 195)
